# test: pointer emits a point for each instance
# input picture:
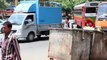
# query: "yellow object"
(98, 28)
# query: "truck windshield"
(102, 9)
(16, 19)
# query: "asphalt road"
(35, 50)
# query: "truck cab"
(23, 25)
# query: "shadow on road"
(35, 40)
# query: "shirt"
(10, 48)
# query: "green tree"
(68, 5)
(56, 0)
(3, 4)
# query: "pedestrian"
(9, 44)
(67, 23)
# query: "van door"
(29, 27)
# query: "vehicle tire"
(30, 37)
(38, 36)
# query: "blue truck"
(31, 19)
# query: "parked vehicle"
(85, 14)
(34, 20)
(9, 10)
(1, 24)
(101, 19)
(1, 21)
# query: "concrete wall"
(77, 44)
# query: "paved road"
(35, 50)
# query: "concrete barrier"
(99, 46)
(77, 44)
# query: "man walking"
(9, 44)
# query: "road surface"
(36, 50)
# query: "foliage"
(56, 0)
(3, 4)
(68, 5)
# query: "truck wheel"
(38, 36)
(30, 37)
